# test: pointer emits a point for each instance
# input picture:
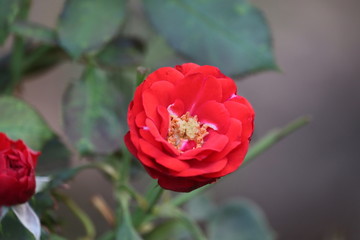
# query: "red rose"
(188, 127)
(17, 175)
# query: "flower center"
(186, 132)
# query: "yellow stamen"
(185, 128)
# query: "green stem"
(273, 137)
(185, 197)
(125, 166)
(257, 149)
(80, 214)
(18, 48)
(152, 196)
(193, 227)
(190, 224)
(35, 56)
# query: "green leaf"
(28, 219)
(200, 208)
(232, 35)
(20, 121)
(241, 220)
(121, 52)
(60, 178)
(34, 32)
(173, 229)
(8, 12)
(92, 117)
(54, 156)
(85, 25)
(160, 54)
(125, 230)
(11, 228)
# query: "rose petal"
(177, 108)
(214, 143)
(244, 114)
(214, 113)
(169, 148)
(203, 167)
(207, 70)
(181, 184)
(163, 74)
(186, 67)
(235, 159)
(140, 119)
(196, 89)
(228, 87)
(4, 142)
(164, 121)
(160, 93)
(161, 158)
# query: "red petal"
(243, 113)
(5, 142)
(203, 167)
(228, 87)
(165, 119)
(180, 184)
(214, 113)
(163, 74)
(140, 119)
(235, 157)
(161, 158)
(149, 163)
(129, 144)
(214, 143)
(168, 148)
(177, 108)
(160, 93)
(207, 70)
(186, 67)
(196, 89)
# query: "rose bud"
(188, 127)
(17, 171)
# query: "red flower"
(17, 175)
(188, 127)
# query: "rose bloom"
(188, 127)
(17, 175)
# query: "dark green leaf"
(54, 156)
(11, 228)
(160, 54)
(240, 220)
(121, 52)
(20, 121)
(92, 116)
(60, 178)
(232, 35)
(85, 25)
(5, 76)
(8, 11)
(34, 32)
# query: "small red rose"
(17, 171)
(188, 127)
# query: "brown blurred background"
(308, 185)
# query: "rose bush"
(188, 127)
(17, 171)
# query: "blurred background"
(308, 184)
